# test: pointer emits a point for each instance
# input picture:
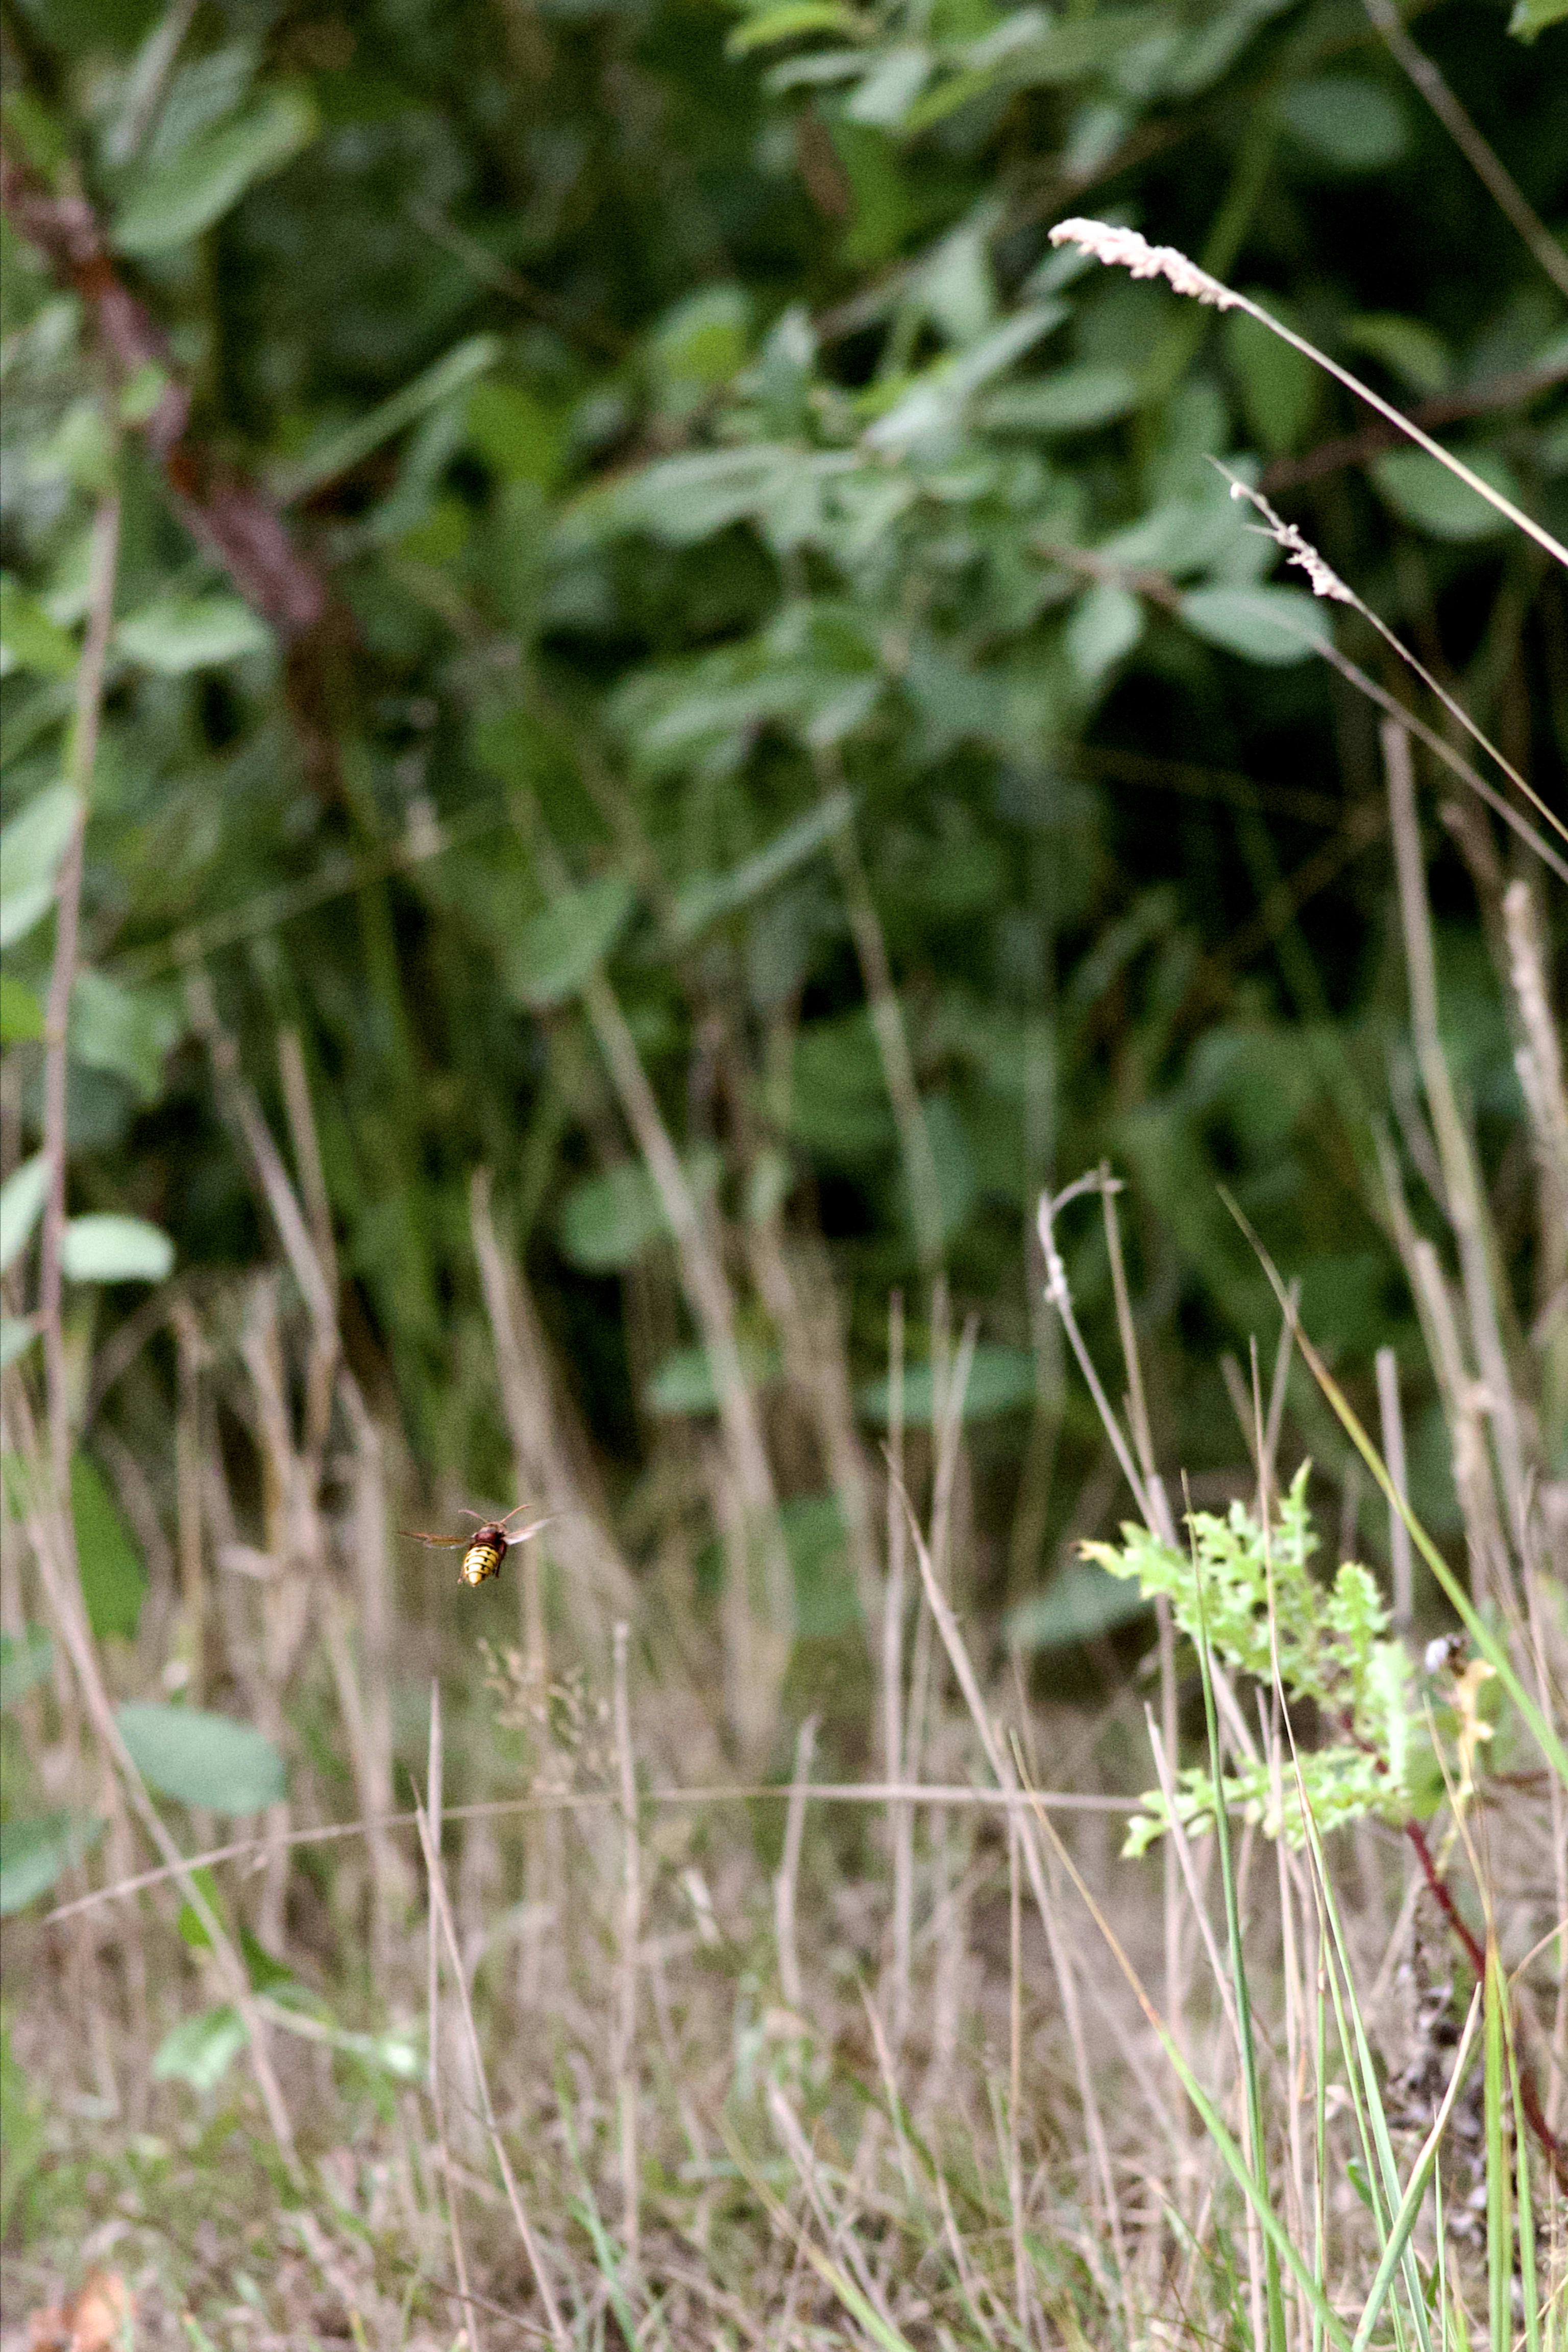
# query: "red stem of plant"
(1529, 2096)
(229, 518)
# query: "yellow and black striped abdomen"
(482, 1559)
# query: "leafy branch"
(1249, 1593)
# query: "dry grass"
(665, 1990)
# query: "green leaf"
(708, 896)
(1071, 49)
(893, 85)
(1533, 17)
(558, 950)
(1276, 626)
(22, 1198)
(23, 2129)
(1080, 1604)
(24, 1659)
(1424, 492)
(127, 1031)
(343, 448)
(1073, 400)
(21, 1015)
(686, 498)
(1346, 121)
(189, 1925)
(34, 1854)
(515, 433)
(266, 1973)
(607, 1222)
(1001, 1380)
(180, 633)
(1280, 388)
(200, 2050)
(203, 1759)
(1106, 623)
(31, 847)
(826, 1603)
(179, 199)
(113, 1580)
(699, 344)
(1407, 347)
(115, 1249)
(837, 1094)
(790, 18)
(684, 1382)
(29, 640)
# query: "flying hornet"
(487, 1548)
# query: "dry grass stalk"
(441, 1913)
(189, 1459)
(551, 1457)
(49, 1535)
(923, 1191)
(901, 1818)
(1464, 1200)
(625, 2053)
(1392, 1429)
(1103, 2191)
(797, 1288)
(767, 1585)
(788, 1875)
(1015, 2077)
(1125, 248)
(103, 565)
(430, 1835)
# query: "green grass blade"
(1500, 2216)
(1383, 2175)
(1238, 1974)
(1524, 2206)
(827, 2269)
(1231, 2155)
(1410, 2204)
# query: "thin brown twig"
(430, 1838)
(937, 1794)
(1477, 150)
(83, 759)
(785, 1883)
(1513, 391)
(887, 1022)
(625, 2050)
(901, 1818)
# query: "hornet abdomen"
(483, 1555)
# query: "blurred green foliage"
(719, 475)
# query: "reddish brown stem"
(1529, 2096)
(227, 516)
